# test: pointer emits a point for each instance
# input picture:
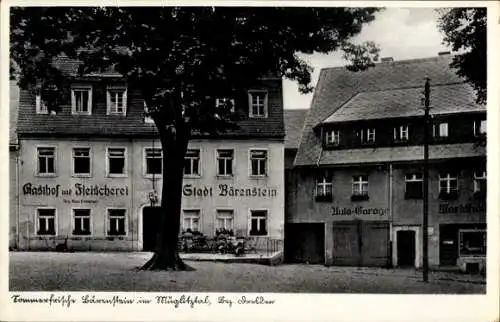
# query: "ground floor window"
(116, 222)
(81, 220)
(258, 223)
(225, 220)
(191, 220)
(472, 242)
(46, 219)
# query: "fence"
(203, 244)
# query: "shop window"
(480, 127)
(401, 133)
(116, 222)
(225, 103)
(154, 161)
(46, 161)
(81, 161)
(440, 130)
(191, 220)
(480, 184)
(225, 220)
(324, 188)
(258, 223)
(258, 162)
(448, 186)
(332, 138)
(81, 222)
(192, 163)
(81, 100)
(225, 162)
(366, 136)
(359, 188)
(116, 100)
(472, 242)
(116, 161)
(46, 222)
(257, 101)
(414, 186)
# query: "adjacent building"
(357, 197)
(90, 175)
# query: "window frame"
(265, 111)
(370, 132)
(218, 103)
(40, 106)
(81, 175)
(359, 195)
(266, 163)
(108, 222)
(193, 175)
(401, 133)
(478, 127)
(224, 217)
(45, 174)
(37, 222)
(332, 138)
(147, 119)
(324, 183)
(450, 193)
(436, 130)
(108, 163)
(266, 219)
(217, 150)
(476, 179)
(191, 210)
(145, 164)
(109, 106)
(485, 241)
(414, 179)
(75, 87)
(73, 222)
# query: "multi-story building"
(91, 173)
(359, 178)
(13, 161)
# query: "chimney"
(444, 53)
(387, 59)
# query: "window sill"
(115, 236)
(116, 114)
(258, 176)
(46, 234)
(150, 176)
(257, 116)
(192, 176)
(225, 176)
(81, 175)
(81, 114)
(326, 198)
(46, 175)
(116, 175)
(74, 234)
(359, 197)
(265, 234)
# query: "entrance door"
(150, 224)
(406, 248)
(375, 244)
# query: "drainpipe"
(390, 215)
(18, 206)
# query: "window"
(332, 137)
(41, 107)
(448, 186)
(225, 162)
(154, 159)
(480, 127)
(46, 161)
(191, 220)
(480, 183)
(472, 242)
(401, 133)
(117, 100)
(258, 161)
(324, 188)
(257, 101)
(116, 222)
(366, 136)
(192, 163)
(220, 102)
(440, 130)
(81, 220)
(258, 221)
(359, 188)
(81, 161)
(414, 186)
(225, 220)
(46, 222)
(116, 161)
(81, 100)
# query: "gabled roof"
(13, 110)
(294, 122)
(338, 86)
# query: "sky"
(401, 33)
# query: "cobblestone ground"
(44, 271)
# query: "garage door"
(305, 243)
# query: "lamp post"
(425, 219)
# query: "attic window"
(147, 118)
(257, 103)
(41, 107)
(81, 99)
(117, 100)
(332, 137)
(222, 102)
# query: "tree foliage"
(464, 31)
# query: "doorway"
(406, 248)
(305, 243)
(150, 224)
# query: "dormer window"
(222, 102)
(366, 136)
(41, 107)
(401, 133)
(147, 118)
(479, 127)
(440, 130)
(117, 100)
(81, 99)
(332, 138)
(257, 102)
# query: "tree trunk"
(166, 255)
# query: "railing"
(203, 244)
